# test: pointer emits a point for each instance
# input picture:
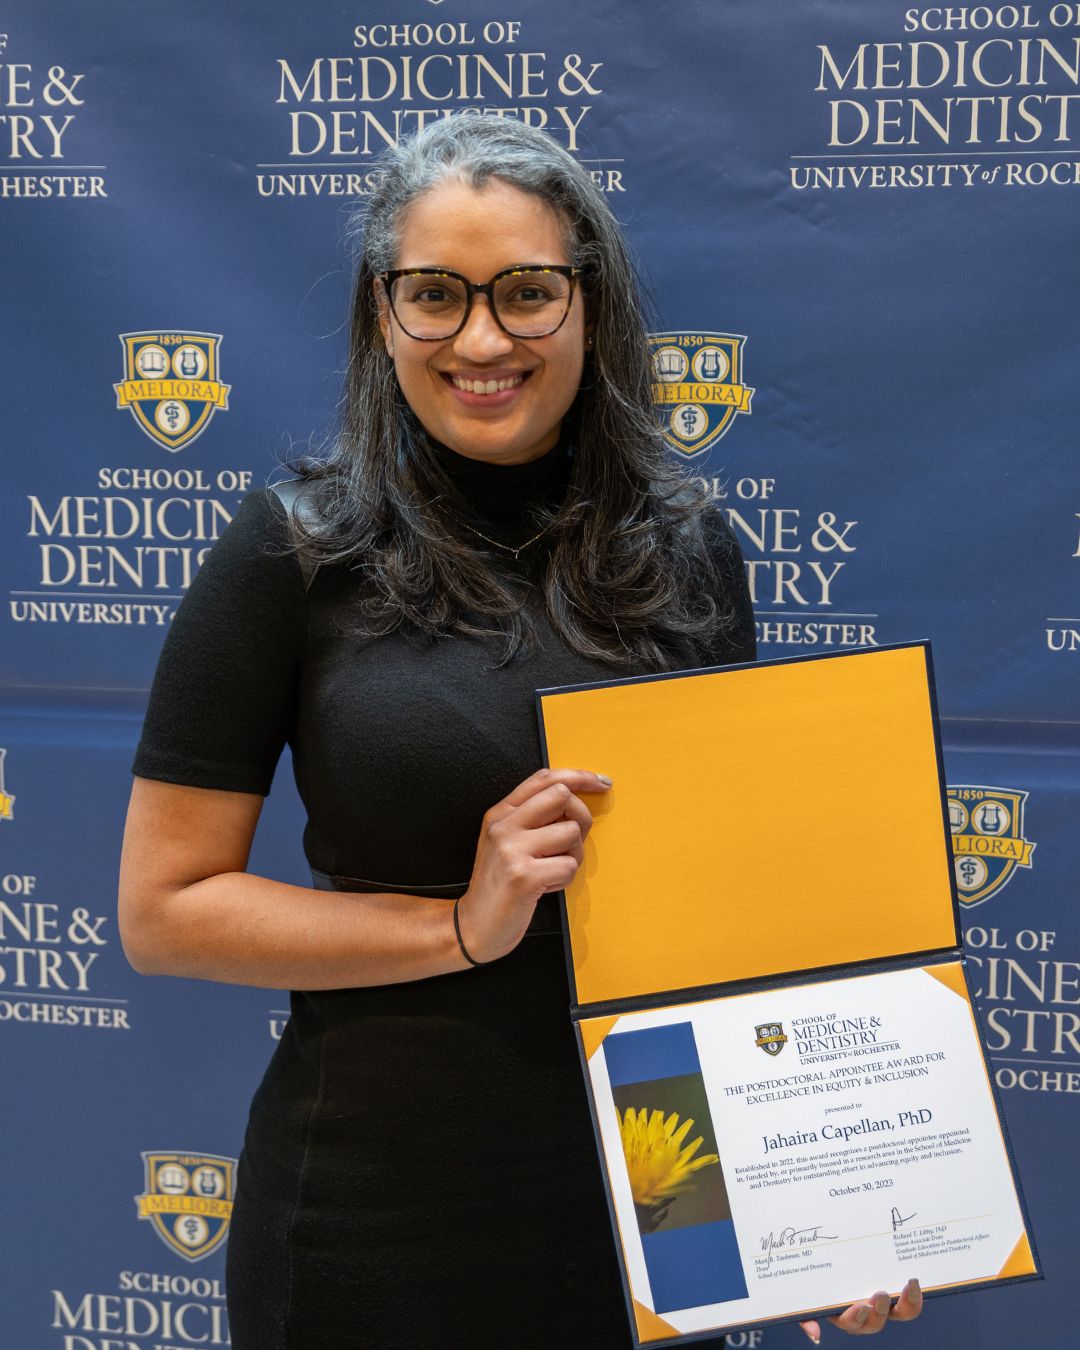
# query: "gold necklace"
(507, 547)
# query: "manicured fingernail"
(815, 1336)
(604, 779)
(913, 1293)
(882, 1304)
(862, 1313)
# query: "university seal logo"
(987, 825)
(771, 1038)
(189, 1200)
(171, 384)
(697, 387)
(7, 801)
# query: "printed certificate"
(778, 1152)
(790, 1093)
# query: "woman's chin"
(486, 440)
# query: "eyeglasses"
(531, 300)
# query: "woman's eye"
(432, 295)
(529, 295)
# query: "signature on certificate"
(788, 1238)
(898, 1219)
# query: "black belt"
(546, 919)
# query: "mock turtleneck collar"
(505, 495)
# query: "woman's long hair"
(629, 579)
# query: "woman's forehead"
(479, 231)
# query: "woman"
(419, 1168)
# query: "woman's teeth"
(485, 386)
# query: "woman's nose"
(482, 339)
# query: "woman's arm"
(187, 906)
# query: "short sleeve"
(222, 703)
(737, 641)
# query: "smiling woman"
(496, 515)
(448, 354)
(481, 390)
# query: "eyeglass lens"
(527, 304)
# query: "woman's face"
(479, 232)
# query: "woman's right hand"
(530, 843)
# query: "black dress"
(419, 1168)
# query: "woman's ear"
(383, 306)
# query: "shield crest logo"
(698, 387)
(171, 384)
(188, 1200)
(987, 826)
(770, 1037)
(7, 800)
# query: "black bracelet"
(457, 933)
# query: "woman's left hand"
(863, 1319)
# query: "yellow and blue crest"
(171, 384)
(770, 1037)
(987, 825)
(189, 1200)
(7, 800)
(698, 387)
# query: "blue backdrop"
(859, 221)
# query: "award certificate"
(774, 1152)
(787, 1078)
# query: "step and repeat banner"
(859, 224)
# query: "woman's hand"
(530, 843)
(863, 1319)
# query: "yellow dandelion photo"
(661, 1165)
(676, 1177)
(671, 1156)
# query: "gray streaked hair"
(631, 577)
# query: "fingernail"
(815, 1336)
(913, 1292)
(882, 1304)
(604, 779)
(862, 1313)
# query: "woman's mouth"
(486, 387)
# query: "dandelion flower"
(660, 1167)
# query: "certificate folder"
(763, 941)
